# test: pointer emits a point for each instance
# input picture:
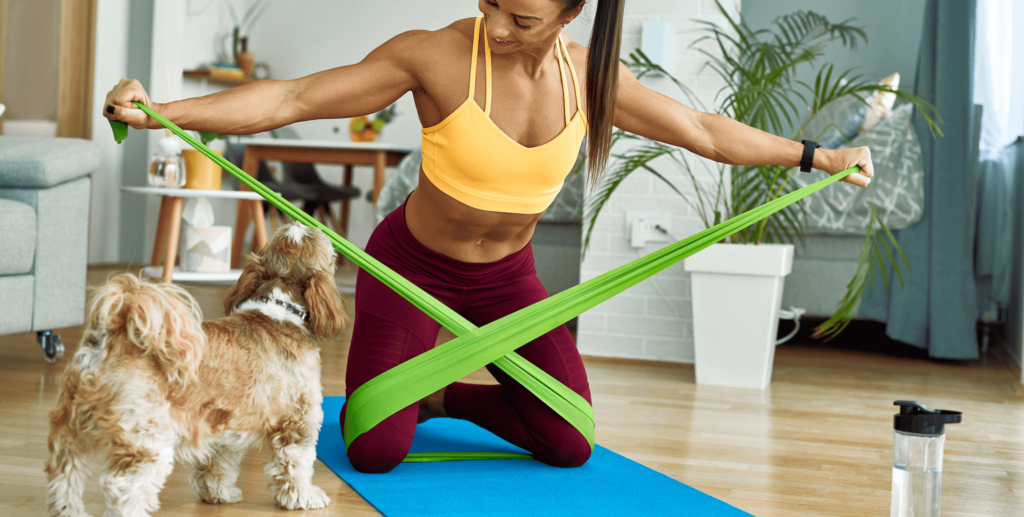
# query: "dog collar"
(293, 308)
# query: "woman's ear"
(327, 314)
(245, 288)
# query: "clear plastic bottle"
(918, 439)
(167, 167)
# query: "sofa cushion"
(18, 234)
(44, 162)
(16, 303)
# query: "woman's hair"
(602, 80)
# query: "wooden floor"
(818, 442)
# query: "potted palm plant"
(745, 274)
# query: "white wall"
(297, 40)
(654, 319)
(111, 61)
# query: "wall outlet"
(643, 227)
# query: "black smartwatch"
(808, 157)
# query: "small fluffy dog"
(151, 383)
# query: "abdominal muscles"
(452, 228)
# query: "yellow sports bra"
(472, 160)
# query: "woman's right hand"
(119, 104)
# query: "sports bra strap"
(472, 66)
(575, 80)
(561, 77)
(487, 73)
(560, 49)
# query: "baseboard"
(636, 362)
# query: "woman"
(488, 174)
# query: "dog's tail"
(164, 320)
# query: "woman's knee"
(564, 447)
(380, 449)
(370, 461)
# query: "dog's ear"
(326, 309)
(245, 288)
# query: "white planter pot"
(737, 289)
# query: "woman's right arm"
(387, 73)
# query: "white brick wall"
(654, 319)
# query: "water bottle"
(918, 436)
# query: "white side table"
(169, 227)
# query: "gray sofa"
(44, 224)
(821, 271)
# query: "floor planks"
(817, 442)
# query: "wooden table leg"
(161, 232)
(251, 166)
(241, 225)
(259, 238)
(275, 218)
(379, 163)
(176, 204)
(346, 204)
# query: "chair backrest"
(304, 173)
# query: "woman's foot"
(432, 406)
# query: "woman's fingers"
(120, 104)
(861, 157)
(134, 117)
(857, 179)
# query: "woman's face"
(513, 25)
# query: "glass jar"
(167, 167)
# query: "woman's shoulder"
(435, 45)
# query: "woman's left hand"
(838, 160)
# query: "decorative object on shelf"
(362, 129)
(245, 59)
(762, 90)
(203, 174)
(239, 44)
(166, 167)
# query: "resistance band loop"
(474, 347)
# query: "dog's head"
(300, 262)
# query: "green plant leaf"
(758, 69)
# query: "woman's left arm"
(650, 114)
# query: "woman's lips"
(501, 43)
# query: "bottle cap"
(918, 418)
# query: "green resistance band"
(474, 347)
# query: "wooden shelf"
(205, 75)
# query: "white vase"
(737, 289)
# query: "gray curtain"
(937, 309)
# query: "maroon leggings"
(389, 330)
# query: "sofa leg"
(53, 346)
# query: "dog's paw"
(311, 499)
(227, 495)
(219, 494)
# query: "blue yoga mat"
(607, 485)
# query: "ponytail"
(602, 81)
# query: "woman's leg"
(387, 331)
(510, 410)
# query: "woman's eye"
(489, 2)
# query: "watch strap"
(807, 160)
